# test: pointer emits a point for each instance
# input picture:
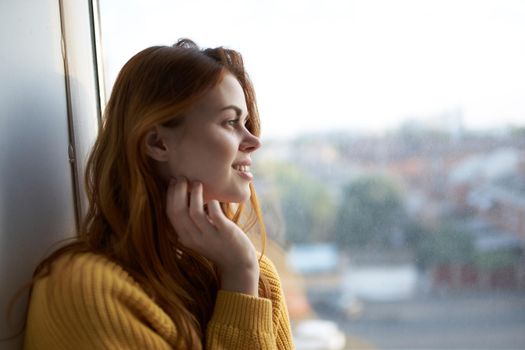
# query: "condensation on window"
(392, 172)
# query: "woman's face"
(212, 145)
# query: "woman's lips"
(244, 172)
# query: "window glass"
(392, 172)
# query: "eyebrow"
(238, 111)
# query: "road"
(474, 321)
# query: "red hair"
(126, 219)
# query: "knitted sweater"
(89, 302)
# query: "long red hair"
(126, 219)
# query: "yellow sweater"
(89, 302)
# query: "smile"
(244, 171)
(244, 168)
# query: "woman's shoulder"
(87, 270)
(274, 287)
(267, 267)
(89, 283)
(86, 278)
(91, 292)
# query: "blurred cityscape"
(414, 239)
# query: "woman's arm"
(214, 236)
(245, 322)
(88, 302)
(241, 319)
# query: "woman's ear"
(156, 147)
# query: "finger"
(170, 197)
(217, 216)
(177, 197)
(196, 210)
(177, 211)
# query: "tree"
(371, 213)
(307, 206)
(445, 244)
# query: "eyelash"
(234, 122)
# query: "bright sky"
(356, 65)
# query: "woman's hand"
(213, 235)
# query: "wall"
(43, 112)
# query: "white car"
(318, 335)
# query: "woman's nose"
(250, 142)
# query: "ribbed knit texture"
(89, 302)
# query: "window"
(393, 166)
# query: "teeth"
(243, 168)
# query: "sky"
(354, 65)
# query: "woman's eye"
(236, 122)
(233, 122)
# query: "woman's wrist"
(244, 280)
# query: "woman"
(161, 261)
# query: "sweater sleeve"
(93, 304)
(280, 316)
(89, 302)
(242, 321)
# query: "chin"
(241, 199)
(237, 198)
(245, 195)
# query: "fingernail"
(173, 180)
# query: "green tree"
(307, 206)
(447, 243)
(371, 212)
